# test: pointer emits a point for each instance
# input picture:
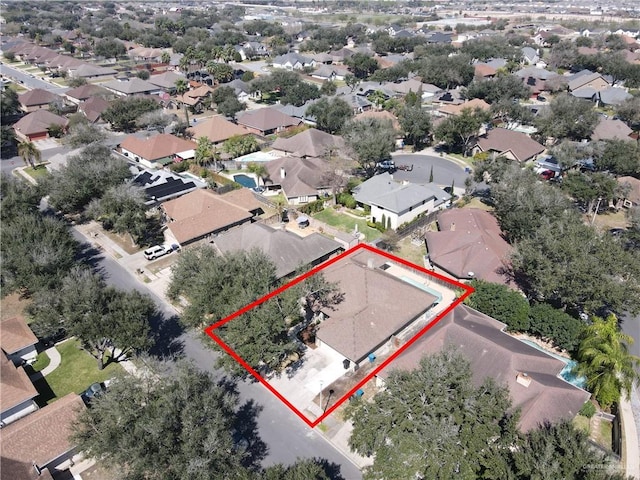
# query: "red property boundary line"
(209, 330)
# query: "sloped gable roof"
(287, 250)
(469, 240)
(611, 129)
(382, 190)
(37, 96)
(39, 438)
(310, 143)
(217, 129)
(502, 140)
(200, 213)
(265, 119)
(16, 386)
(15, 335)
(166, 80)
(38, 122)
(131, 86)
(93, 108)
(159, 146)
(375, 305)
(493, 353)
(85, 91)
(303, 176)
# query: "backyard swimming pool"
(567, 371)
(245, 180)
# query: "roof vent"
(523, 379)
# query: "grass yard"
(38, 172)
(410, 252)
(610, 219)
(475, 202)
(76, 372)
(346, 223)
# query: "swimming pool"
(257, 157)
(423, 287)
(567, 371)
(245, 180)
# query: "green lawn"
(76, 372)
(37, 172)
(347, 223)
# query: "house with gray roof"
(587, 78)
(532, 376)
(395, 203)
(132, 86)
(288, 251)
(166, 81)
(301, 180)
(309, 143)
(613, 96)
(378, 303)
(293, 61)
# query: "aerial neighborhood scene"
(316, 239)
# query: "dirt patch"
(608, 220)
(308, 336)
(124, 241)
(13, 306)
(99, 472)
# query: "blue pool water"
(245, 180)
(566, 373)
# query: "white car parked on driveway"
(157, 251)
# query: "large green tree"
(330, 114)
(122, 209)
(362, 65)
(458, 131)
(372, 140)
(416, 125)
(123, 112)
(505, 87)
(37, 252)
(179, 427)
(589, 189)
(522, 203)
(568, 117)
(619, 157)
(103, 318)
(604, 358)
(569, 263)
(433, 422)
(86, 176)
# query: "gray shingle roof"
(382, 190)
(287, 250)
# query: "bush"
(501, 303)
(588, 409)
(312, 207)
(378, 226)
(179, 166)
(556, 325)
(347, 200)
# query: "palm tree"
(259, 170)
(29, 153)
(165, 57)
(204, 152)
(182, 86)
(604, 358)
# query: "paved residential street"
(30, 81)
(288, 438)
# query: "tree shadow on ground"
(331, 470)
(166, 330)
(245, 426)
